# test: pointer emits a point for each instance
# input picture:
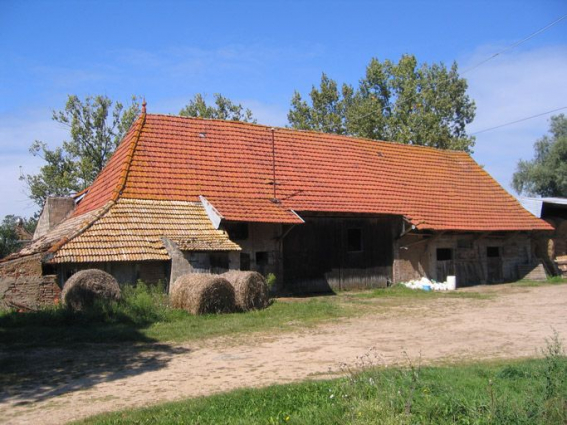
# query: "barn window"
(493, 251)
(444, 254)
(261, 258)
(237, 231)
(354, 240)
(244, 261)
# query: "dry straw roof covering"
(234, 165)
(132, 230)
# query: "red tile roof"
(233, 165)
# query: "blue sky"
(258, 53)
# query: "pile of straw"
(202, 294)
(86, 286)
(250, 289)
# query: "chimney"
(54, 211)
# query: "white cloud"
(17, 133)
(513, 86)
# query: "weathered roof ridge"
(133, 144)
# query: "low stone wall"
(22, 285)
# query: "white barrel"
(451, 283)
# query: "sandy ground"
(513, 324)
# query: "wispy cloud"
(514, 86)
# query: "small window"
(261, 258)
(444, 254)
(354, 240)
(493, 251)
(244, 261)
(237, 231)
(219, 261)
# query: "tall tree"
(96, 128)
(223, 109)
(9, 238)
(404, 102)
(546, 173)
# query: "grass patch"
(551, 280)
(401, 291)
(519, 392)
(143, 315)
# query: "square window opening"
(261, 258)
(444, 254)
(493, 251)
(354, 240)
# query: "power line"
(510, 47)
(517, 121)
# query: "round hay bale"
(202, 294)
(84, 287)
(250, 289)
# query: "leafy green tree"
(404, 102)
(546, 173)
(9, 238)
(223, 109)
(96, 128)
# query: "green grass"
(144, 316)
(551, 280)
(521, 392)
(401, 291)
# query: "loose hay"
(84, 287)
(202, 294)
(250, 289)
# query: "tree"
(9, 238)
(403, 102)
(96, 129)
(224, 109)
(546, 173)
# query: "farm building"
(320, 211)
(551, 247)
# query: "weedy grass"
(144, 315)
(551, 280)
(518, 392)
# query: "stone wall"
(22, 285)
(473, 258)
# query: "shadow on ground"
(52, 352)
(28, 376)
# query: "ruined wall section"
(22, 285)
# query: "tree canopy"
(9, 238)
(96, 128)
(546, 173)
(404, 102)
(223, 109)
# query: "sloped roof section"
(236, 166)
(132, 230)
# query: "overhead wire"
(517, 121)
(512, 46)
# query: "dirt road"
(513, 324)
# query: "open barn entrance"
(337, 253)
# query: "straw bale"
(84, 287)
(250, 289)
(200, 293)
